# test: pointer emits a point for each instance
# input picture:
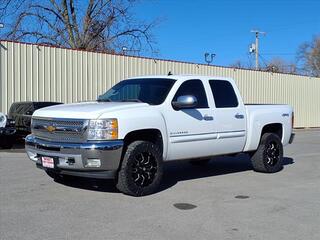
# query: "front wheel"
(269, 156)
(141, 169)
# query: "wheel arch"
(254, 136)
(276, 128)
(153, 135)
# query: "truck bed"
(263, 114)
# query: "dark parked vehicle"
(21, 112)
(7, 131)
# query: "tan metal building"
(31, 72)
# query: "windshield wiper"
(131, 100)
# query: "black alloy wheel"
(144, 169)
(272, 153)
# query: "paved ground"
(230, 201)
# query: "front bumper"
(7, 131)
(71, 158)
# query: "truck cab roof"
(183, 77)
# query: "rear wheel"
(269, 156)
(141, 169)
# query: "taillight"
(292, 119)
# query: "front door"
(191, 131)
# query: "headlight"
(3, 120)
(106, 129)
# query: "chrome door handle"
(207, 118)
(239, 116)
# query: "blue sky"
(189, 28)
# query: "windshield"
(151, 91)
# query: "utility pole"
(256, 48)
(1, 26)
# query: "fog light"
(93, 163)
(33, 156)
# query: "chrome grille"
(61, 130)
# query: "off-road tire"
(141, 169)
(268, 159)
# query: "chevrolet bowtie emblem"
(51, 128)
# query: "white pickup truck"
(142, 122)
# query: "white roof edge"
(182, 76)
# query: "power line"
(280, 54)
(264, 60)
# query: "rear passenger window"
(223, 93)
(195, 88)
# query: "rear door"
(229, 116)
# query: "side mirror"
(185, 102)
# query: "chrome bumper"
(71, 158)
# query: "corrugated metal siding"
(38, 73)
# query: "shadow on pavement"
(98, 185)
(18, 147)
(175, 172)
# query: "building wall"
(39, 73)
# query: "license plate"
(47, 162)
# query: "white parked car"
(142, 122)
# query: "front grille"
(60, 130)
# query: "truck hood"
(86, 110)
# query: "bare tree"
(105, 25)
(309, 55)
(280, 65)
(237, 64)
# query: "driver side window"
(195, 88)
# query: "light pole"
(209, 57)
(124, 50)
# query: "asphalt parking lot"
(223, 200)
